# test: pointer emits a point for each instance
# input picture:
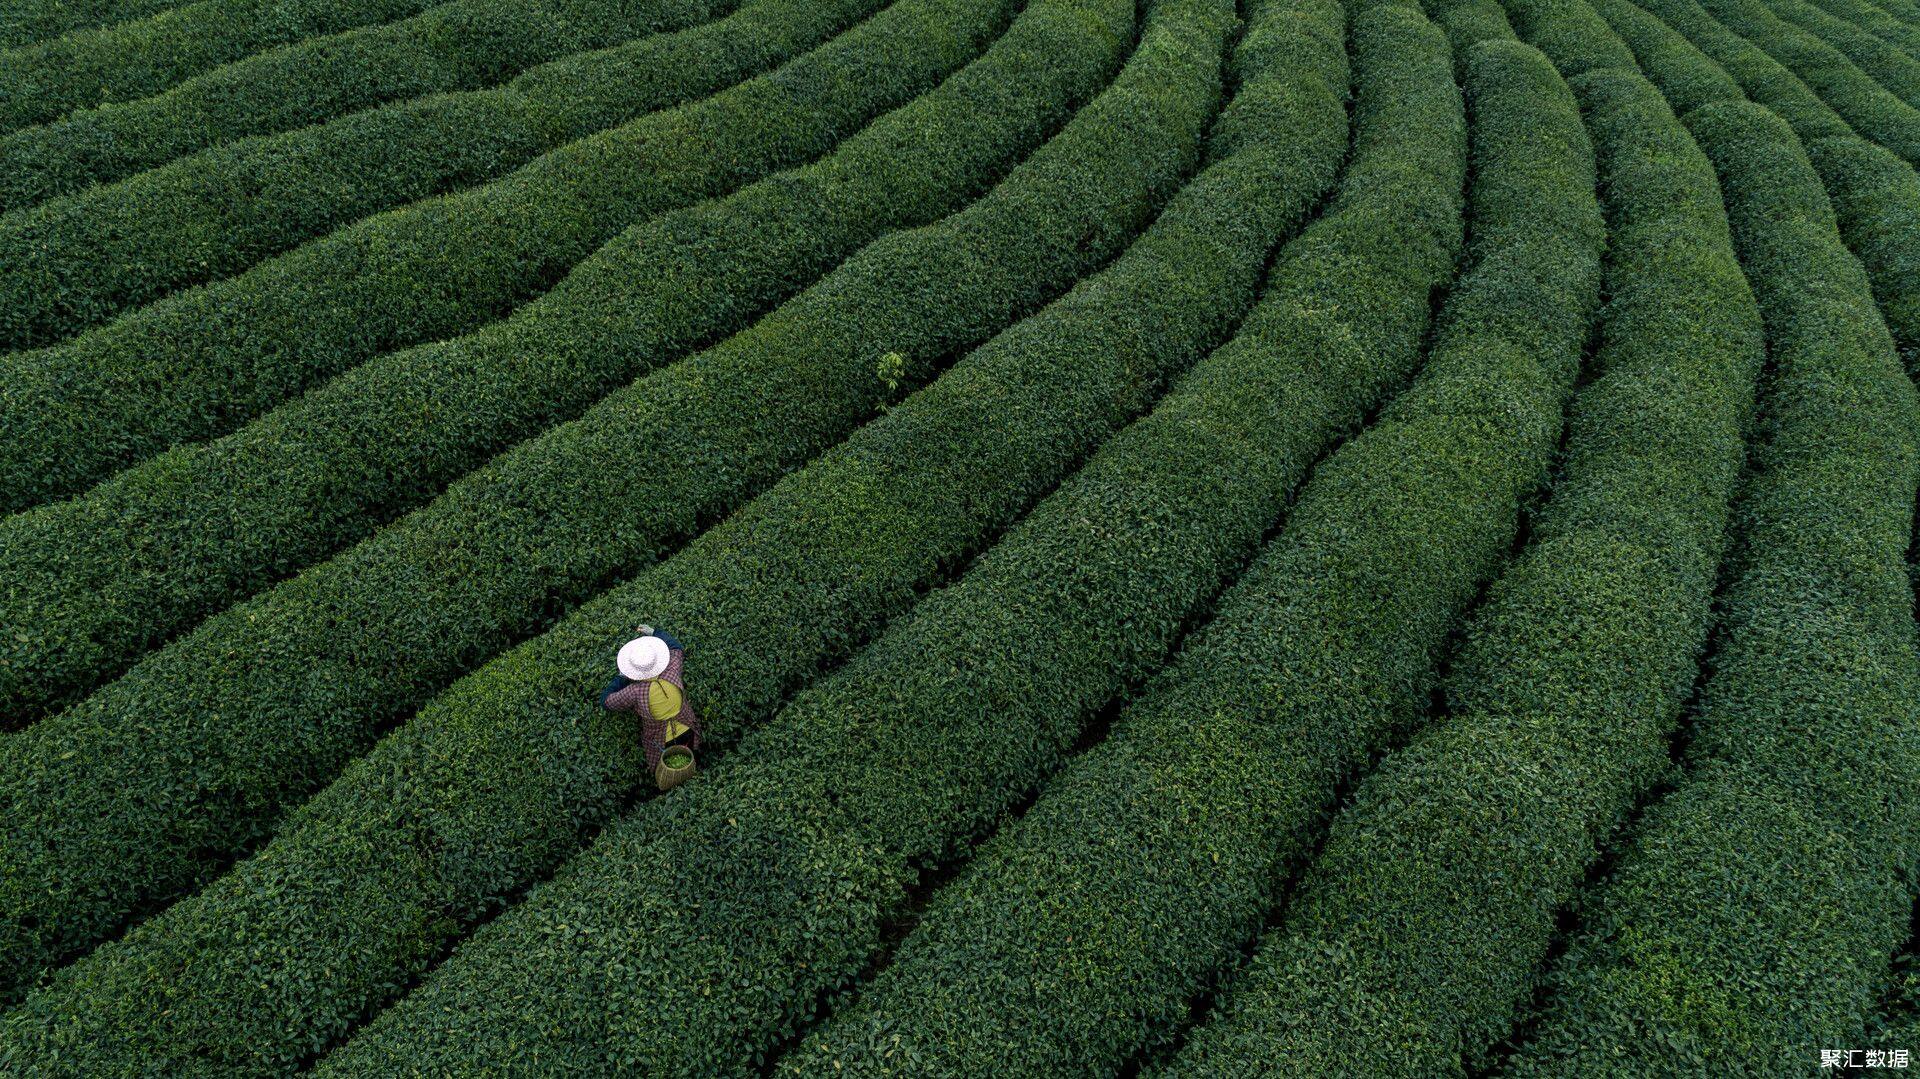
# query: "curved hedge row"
(1093, 919)
(157, 780)
(1683, 74)
(1353, 625)
(1571, 34)
(893, 762)
(1686, 76)
(1876, 197)
(200, 363)
(767, 599)
(322, 471)
(1801, 807)
(1411, 945)
(1468, 23)
(66, 273)
(1906, 10)
(29, 22)
(1683, 42)
(82, 259)
(1875, 194)
(1867, 106)
(133, 59)
(1881, 60)
(459, 45)
(1876, 20)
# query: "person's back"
(651, 684)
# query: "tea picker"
(650, 685)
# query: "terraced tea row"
(540, 529)
(30, 22)
(145, 46)
(1149, 611)
(1867, 106)
(1142, 866)
(1875, 194)
(203, 362)
(80, 260)
(322, 471)
(1414, 941)
(776, 593)
(947, 697)
(1884, 62)
(461, 45)
(1798, 806)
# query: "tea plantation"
(1322, 538)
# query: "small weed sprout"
(891, 370)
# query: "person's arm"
(620, 682)
(672, 641)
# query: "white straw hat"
(643, 658)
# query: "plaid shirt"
(624, 694)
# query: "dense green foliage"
(1875, 194)
(28, 22)
(81, 259)
(1468, 23)
(1876, 197)
(1411, 946)
(1897, 1023)
(202, 362)
(1149, 606)
(461, 45)
(770, 876)
(1867, 106)
(1878, 20)
(1881, 60)
(1571, 34)
(332, 464)
(923, 739)
(1801, 803)
(1445, 472)
(1683, 44)
(540, 528)
(773, 595)
(1684, 75)
(142, 56)
(1907, 10)
(1149, 860)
